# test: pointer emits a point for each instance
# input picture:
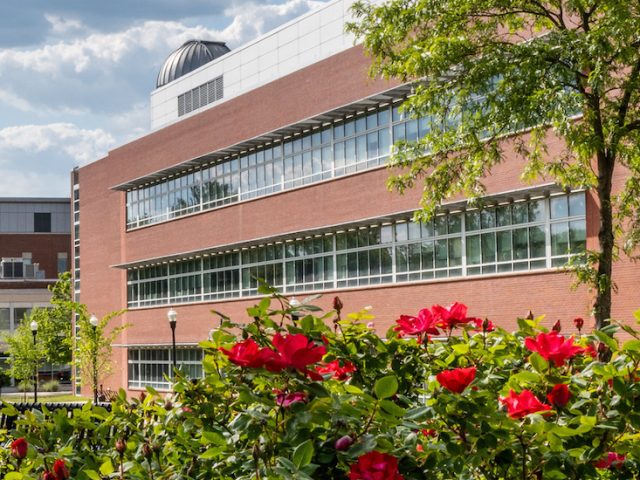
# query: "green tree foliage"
(54, 324)
(93, 346)
(53, 338)
(23, 356)
(487, 68)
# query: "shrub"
(25, 386)
(442, 396)
(50, 386)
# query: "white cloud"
(252, 20)
(97, 49)
(82, 145)
(34, 183)
(60, 25)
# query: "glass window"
(42, 222)
(472, 220)
(5, 319)
(559, 206)
(559, 239)
(577, 204)
(474, 255)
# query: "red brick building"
(268, 162)
(35, 239)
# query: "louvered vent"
(200, 96)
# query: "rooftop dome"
(188, 57)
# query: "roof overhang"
(283, 133)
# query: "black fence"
(8, 421)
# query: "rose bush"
(442, 395)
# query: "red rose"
(248, 354)
(612, 460)
(338, 372)
(590, 350)
(47, 475)
(60, 469)
(553, 347)
(456, 380)
(522, 404)
(451, 316)
(295, 351)
(428, 432)
(375, 466)
(287, 399)
(425, 322)
(559, 395)
(579, 323)
(19, 448)
(485, 325)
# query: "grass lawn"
(63, 397)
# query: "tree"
(24, 358)
(54, 323)
(54, 334)
(93, 346)
(488, 68)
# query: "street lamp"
(93, 320)
(34, 331)
(295, 303)
(172, 316)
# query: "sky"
(75, 75)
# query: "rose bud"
(337, 304)
(147, 452)
(343, 443)
(47, 475)
(121, 445)
(19, 448)
(142, 396)
(579, 323)
(60, 469)
(556, 326)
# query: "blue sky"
(75, 75)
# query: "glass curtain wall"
(520, 236)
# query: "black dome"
(188, 57)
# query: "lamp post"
(34, 331)
(295, 303)
(172, 316)
(93, 320)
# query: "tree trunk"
(602, 307)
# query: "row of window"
(524, 235)
(153, 367)
(346, 147)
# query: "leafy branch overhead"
(563, 74)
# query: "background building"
(268, 161)
(35, 239)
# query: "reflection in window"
(507, 238)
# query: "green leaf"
(92, 474)
(392, 409)
(632, 345)
(539, 364)
(107, 467)
(16, 476)
(607, 340)
(210, 453)
(303, 454)
(462, 348)
(386, 387)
